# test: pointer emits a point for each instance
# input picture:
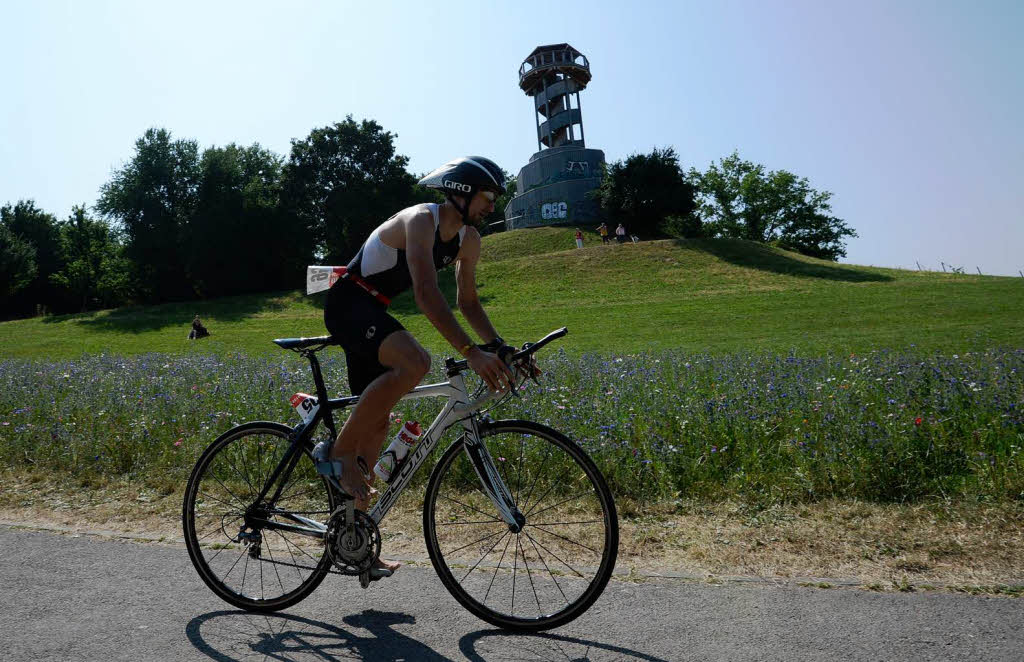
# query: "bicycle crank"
(353, 540)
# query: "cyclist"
(384, 360)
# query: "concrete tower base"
(553, 187)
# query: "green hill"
(694, 295)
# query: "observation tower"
(552, 188)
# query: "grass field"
(754, 411)
(717, 296)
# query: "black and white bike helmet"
(465, 176)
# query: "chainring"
(352, 547)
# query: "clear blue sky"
(909, 112)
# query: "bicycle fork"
(490, 479)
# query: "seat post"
(318, 377)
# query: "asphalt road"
(85, 598)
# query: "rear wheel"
(556, 566)
(247, 563)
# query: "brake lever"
(530, 373)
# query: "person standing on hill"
(384, 360)
(579, 239)
(620, 234)
(603, 231)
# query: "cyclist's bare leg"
(365, 430)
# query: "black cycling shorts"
(360, 323)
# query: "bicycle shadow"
(543, 646)
(233, 635)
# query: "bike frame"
(457, 409)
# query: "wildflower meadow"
(883, 426)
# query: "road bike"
(519, 523)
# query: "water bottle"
(396, 452)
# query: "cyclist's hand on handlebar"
(491, 369)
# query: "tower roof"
(553, 47)
(554, 58)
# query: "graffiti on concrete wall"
(554, 210)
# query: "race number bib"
(305, 405)
(320, 278)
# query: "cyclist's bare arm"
(469, 302)
(419, 241)
(465, 277)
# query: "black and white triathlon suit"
(358, 319)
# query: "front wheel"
(557, 564)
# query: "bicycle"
(255, 494)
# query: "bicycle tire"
(570, 472)
(225, 478)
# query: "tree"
(153, 197)
(645, 190)
(239, 238)
(40, 230)
(95, 271)
(341, 182)
(17, 264)
(743, 200)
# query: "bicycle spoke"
(293, 479)
(515, 568)
(546, 567)
(259, 461)
(496, 569)
(271, 554)
(519, 472)
(493, 521)
(263, 592)
(568, 540)
(537, 542)
(529, 575)
(301, 551)
(589, 521)
(244, 475)
(470, 507)
(219, 529)
(542, 497)
(476, 541)
(295, 562)
(245, 571)
(285, 497)
(539, 471)
(228, 490)
(221, 502)
(485, 554)
(572, 498)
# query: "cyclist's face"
(482, 205)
